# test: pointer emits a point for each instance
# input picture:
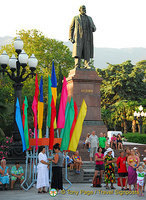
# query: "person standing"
(122, 169)
(93, 144)
(102, 142)
(133, 162)
(99, 168)
(57, 164)
(43, 172)
(109, 168)
(140, 179)
(81, 35)
(4, 174)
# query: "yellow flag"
(78, 128)
(54, 94)
(40, 117)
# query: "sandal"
(39, 191)
(113, 188)
(107, 187)
(44, 191)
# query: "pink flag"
(35, 109)
(63, 101)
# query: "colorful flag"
(54, 88)
(66, 112)
(26, 124)
(68, 125)
(23, 116)
(49, 102)
(75, 119)
(19, 124)
(35, 109)
(40, 109)
(63, 101)
(53, 115)
(78, 127)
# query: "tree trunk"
(134, 126)
(125, 126)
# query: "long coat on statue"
(76, 33)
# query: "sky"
(119, 23)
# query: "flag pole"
(70, 184)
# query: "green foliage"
(5, 143)
(135, 137)
(123, 89)
(46, 50)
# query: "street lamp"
(18, 73)
(139, 117)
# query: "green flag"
(68, 125)
(49, 102)
(66, 111)
(26, 123)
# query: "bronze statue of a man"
(81, 35)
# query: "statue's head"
(82, 9)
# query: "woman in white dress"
(43, 172)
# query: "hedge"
(135, 137)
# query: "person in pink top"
(99, 159)
(114, 141)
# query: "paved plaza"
(77, 191)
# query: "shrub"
(5, 143)
(135, 137)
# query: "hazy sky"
(119, 23)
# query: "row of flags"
(69, 121)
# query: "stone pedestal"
(85, 84)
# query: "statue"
(81, 35)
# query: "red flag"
(23, 116)
(75, 119)
(35, 109)
(36, 87)
(53, 116)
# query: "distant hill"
(102, 56)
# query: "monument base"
(85, 84)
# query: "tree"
(46, 50)
(122, 89)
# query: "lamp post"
(139, 117)
(17, 74)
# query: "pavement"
(77, 191)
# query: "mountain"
(102, 56)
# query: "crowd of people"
(128, 163)
(130, 170)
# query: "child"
(140, 179)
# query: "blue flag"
(53, 77)
(41, 89)
(19, 124)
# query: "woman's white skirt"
(42, 177)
